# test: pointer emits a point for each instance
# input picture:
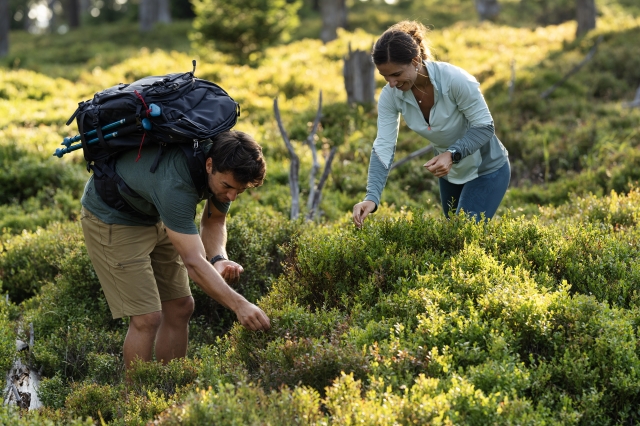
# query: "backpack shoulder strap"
(197, 166)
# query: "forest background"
(531, 318)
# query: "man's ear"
(209, 165)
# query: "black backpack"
(157, 110)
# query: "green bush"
(23, 174)
(146, 377)
(32, 259)
(409, 296)
(93, 400)
(72, 320)
(7, 337)
(256, 238)
(243, 28)
(10, 415)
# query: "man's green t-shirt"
(168, 194)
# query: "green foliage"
(229, 407)
(31, 259)
(481, 314)
(7, 337)
(256, 237)
(10, 415)
(414, 319)
(146, 377)
(92, 400)
(72, 320)
(53, 391)
(24, 175)
(243, 28)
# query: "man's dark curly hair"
(240, 154)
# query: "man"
(143, 259)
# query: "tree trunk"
(72, 10)
(487, 9)
(164, 11)
(53, 22)
(586, 16)
(334, 16)
(147, 13)
(4, 27)
(359, 80)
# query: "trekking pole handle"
(62, 151)
(154, 111)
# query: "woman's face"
(398, 76)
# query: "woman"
(442, 103)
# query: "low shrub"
(255, 240)
(32, 259)
(493, 315)
(7, 337)
(93, 400)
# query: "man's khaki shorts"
(137, 266)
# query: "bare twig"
(31, 336)
(411, 156)
(314, 153)
(16, 394)
(318, 192)
(512, 82)
(575, 69)
(294, 168)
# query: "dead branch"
(318, 192)
(575, 69)
(512, 82)
(411, 156)
(294, 168)
(314, 153)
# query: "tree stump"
(586, 16)
(334, 16)
(359, 78)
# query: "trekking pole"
(155, 111)
(146, 125)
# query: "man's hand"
(229, 270)
(207, 277)
(440, 165)
(252, 317)
(361, 211)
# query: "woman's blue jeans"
(480, 195)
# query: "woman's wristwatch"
(456, 155)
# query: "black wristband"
(217, 257)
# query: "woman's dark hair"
(240, 154)
(401, 43)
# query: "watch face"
(457, 156)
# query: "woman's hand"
(361, 211)
(440, 165)
(229, 270)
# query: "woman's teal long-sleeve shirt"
(459, 118)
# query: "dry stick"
(16, 394)
(512, 82)
(293, 168)
(315, 166)
(31, 336)
(411, 156)
(323, 179)
(575, 69)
